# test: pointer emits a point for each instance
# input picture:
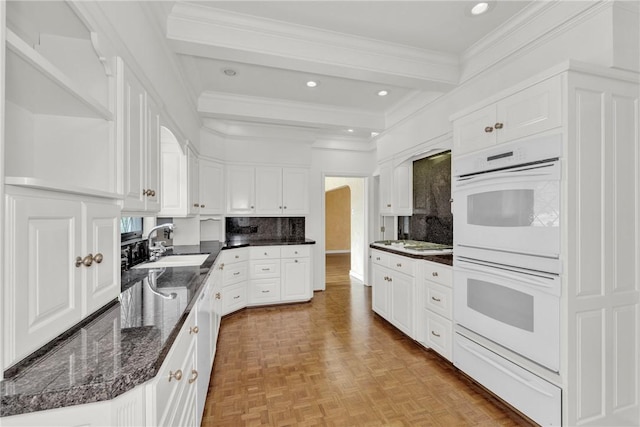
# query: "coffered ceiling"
(414, 50)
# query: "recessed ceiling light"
(480, 8)
(383, 93)
(229, 72)
(374, 134)
(312, 83)
(350, 130)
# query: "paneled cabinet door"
(204, 335)
(269, 190)
(152, 158)
(193, 183)
(295, 279)
(380, 291)
(43, 296)
(295, 191)
(469, 132)
(385, 188)
(402, 301)
(211, 188)
(102, 236)
(240, 190)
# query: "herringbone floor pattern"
(332, 362)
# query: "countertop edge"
(446, 259)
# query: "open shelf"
(37, 85)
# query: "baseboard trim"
(339, 251)
(359, 277)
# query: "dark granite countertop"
(119, 347)
(446, 259)
(239, 242)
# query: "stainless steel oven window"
(500, 303)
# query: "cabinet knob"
(195, 205)
(194, 330)
(285, 207)
(279, 207)
(153, 193)
(194, 376)
(177, 375)
(498, 125)
(295, 260)
(390, 279)
(202, 206)
(398, 265)
(488, 129)
(435, 334)
(251, 206)
(98, 258)
(237, 256)
(266, 254)
(86, 261)
(389, 205)
(434, 274)
(144, 191)
(377, 258)
(295, 252)
(217, 295)
(221, 266)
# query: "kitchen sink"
(175, 261)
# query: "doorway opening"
(345, 227)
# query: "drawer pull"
(266, 254)
(498, 125)
(177, 375)
(434, 274)
(237, 256)
(266, 269)
(194, 330)
(488, 129)
(222, 266)
(295, 252)
(398, 265)
(236, 297)
(435, 334)
(194, 376)
(377, 258)
(436, 299)
(265, 292)
(236, 273)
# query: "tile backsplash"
(432, 220)
(260, 228)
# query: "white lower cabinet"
(296, 273)
(394, 290)
(435, 309)
(62, 265)
(234, 264)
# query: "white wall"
(358, 232)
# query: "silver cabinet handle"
(434, 274)
(194, 376)
(436, 299)
(435, 334)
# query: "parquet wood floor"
(333, 362)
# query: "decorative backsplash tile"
(432, 220)
(261, 228)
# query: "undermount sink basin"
(175, 261)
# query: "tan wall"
(338, 219)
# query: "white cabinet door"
(174, 186)
(133, 116)
(43, 296)
(192, 182)
(380, 291)
(402, 302)
(102, 229)
(386, 191)
(296, 279)
(211, 185)
(403, 189)
(268, 191)
(240, 190)
(474, 131)
(152, 158)
(295, 191)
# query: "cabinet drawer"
(234, 298)
(438, 273)
(438, 299)
(235, 255)
(265, 269)
(166, 385)
(264, 252)
(380, 258)
(402, 264)
(234, 273)
(438, 334)
(264, 291)
(301, 251)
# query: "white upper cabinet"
(241, 189)
(180, 177)
(139, 133)
(267, 191)
(60, 91)
(211, 184)
(527, 112)
(396, 188)
(193, 182)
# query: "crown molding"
(205, 31)
(269, 110)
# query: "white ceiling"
(352, 48)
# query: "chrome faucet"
(157, 248)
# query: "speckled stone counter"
(239, 242)
(446, 259)
(116, 349)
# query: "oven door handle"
(540, 279)
(505, 370)
(521, 172)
